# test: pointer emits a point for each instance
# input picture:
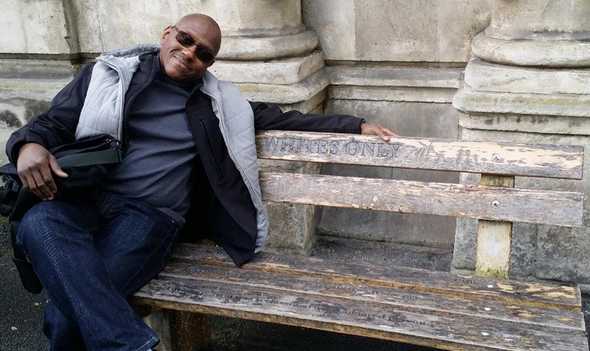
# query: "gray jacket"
(102, 112)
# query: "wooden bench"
(436, 309)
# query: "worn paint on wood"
(440, 329)
(546, 294)
(458, 200)
(559, 161)
(336, 285)
(435, 309)
(494, 239)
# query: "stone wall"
(398, 63)
(529, 82)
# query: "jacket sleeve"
(270, 116)
(56, 126)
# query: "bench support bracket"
(493, 237)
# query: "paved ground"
(21, 313)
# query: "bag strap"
(90, 158)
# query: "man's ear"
(165, 32)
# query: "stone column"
(529, 81)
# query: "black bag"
(86, 161)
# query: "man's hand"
(377, 129)
(35, 167)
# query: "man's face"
(187, 50)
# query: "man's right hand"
(35, 167)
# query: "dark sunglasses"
(202, 52)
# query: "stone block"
(255, 17)
(385, 30)
(526, 123)
(465, 244)
(263, 48)
(540, 18)
(364, 93)
(108, 25)
(281, 71)
(393, 83)
(286, 94)
(395, 76)
(484, 76)
(312, 105)
(529, 52)
(292, 227)
(469, 100)
(34, 27)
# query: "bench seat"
(435, 309)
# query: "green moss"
(492, 273)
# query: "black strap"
(90, 158)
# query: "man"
(189, 163)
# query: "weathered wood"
(545, 295)
(353, 289)
(494, 239)
(458, 200)
(555, 161)
(402, 323)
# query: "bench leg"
(189, 331)
(159, 321)
(179, 331)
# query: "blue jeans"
(90, 255)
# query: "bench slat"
(457, 200)
(339, 286)
(532, 294)
(402, 323)
(552, 161)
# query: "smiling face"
(199, 35)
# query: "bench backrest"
(475, 201)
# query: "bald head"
(188, 48)
(205, 24)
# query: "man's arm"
(270, 116)
(28, 146)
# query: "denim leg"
(56, 237)
(62, 333)
(134, 242)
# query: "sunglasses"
(203, 53)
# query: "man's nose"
(189, 52)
